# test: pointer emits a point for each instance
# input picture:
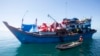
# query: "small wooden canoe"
(68, 45)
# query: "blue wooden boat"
(47, 37)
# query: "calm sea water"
(10, 46)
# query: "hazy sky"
(12, 11)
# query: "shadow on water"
(36, 50)
(86, 49)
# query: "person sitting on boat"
(43, 27)
(80, 39)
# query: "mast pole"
(24, 16)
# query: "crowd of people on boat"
(71, 25)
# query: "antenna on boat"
(52, 18)
(66, 10)
(36, 21)
(24, 16)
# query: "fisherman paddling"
(80, 39)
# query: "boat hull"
(68, 45)
(25, 37)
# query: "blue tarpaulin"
(27, 28)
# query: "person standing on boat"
(80, 39)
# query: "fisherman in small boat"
(80, 39)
